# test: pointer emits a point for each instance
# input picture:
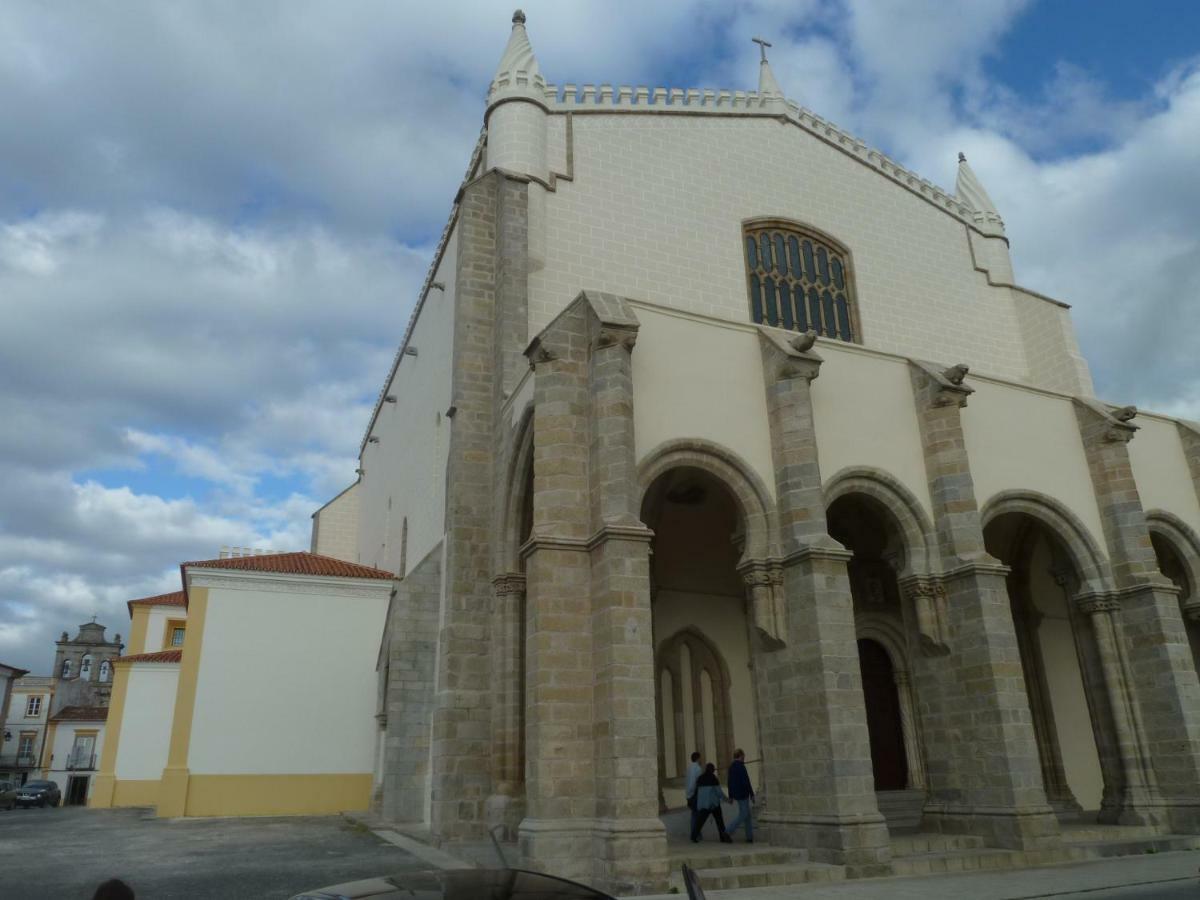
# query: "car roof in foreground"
(459, 884)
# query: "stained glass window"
(799, 280)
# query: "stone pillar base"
(172, 794)
(1034, 828)
(102, 791)
(505, 811)
(621, 857)
(1182, 817)
(860, 843)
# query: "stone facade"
(518, 677)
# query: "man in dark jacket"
(742, 792)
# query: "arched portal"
(704, 689)
(1177, 549)
(1063, 675)
(865, 524)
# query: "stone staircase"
(722, 867)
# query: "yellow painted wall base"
(173, 793)
(102, 792)
(130, 792)
(276, 795)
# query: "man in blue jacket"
(741, 791)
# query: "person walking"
(708, 803)
(741, 791)
(694, 771)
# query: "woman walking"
(708, 803)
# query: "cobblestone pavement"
(64, 853)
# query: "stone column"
(813, 724)
(1152, 641)
(461, 769)
(984, 771)
(506, 806)
(591, 746)
(1134, 799)
(908, 726)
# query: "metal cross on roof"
(762, 46)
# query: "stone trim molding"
(1089, 561)
(919, 554)
(757, 503)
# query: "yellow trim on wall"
(277, 795)
(137, 629)
(173, 797)
(135, 792)
(105, 780)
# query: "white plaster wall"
(146, 723)
(405, 472)
(1161, 471)
(865, 415)
(1019, 439)
(287, 682)
(335, 526)
(156, 624)
(655, 212)
(700, 379)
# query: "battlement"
(606, 98)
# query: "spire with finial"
(767, 85)
(518, 64)
(969, 190)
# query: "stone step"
(1077, 833)
(763, 876)
(932, 842)
(726, 856)
(972, 860)
(1163, 843)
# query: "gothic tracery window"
(799, 280)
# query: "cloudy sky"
(215, 217)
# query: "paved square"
(64, 853)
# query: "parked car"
(8, 795)
(39, 793)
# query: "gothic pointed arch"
(704, 659)
(517, 502)
(1184, 541)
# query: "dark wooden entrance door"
(76, 791)
(883, 717)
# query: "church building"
(715, 427)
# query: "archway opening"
(703, 684)
(889, 762)
(1171, 564)
(1063, 678)
(865, 527)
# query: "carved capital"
(931, 610)
(1098, 603)
(509, 583)
(764, 587)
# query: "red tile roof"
(301, 563)
(175, 598)
(158, 656)
(81, 714)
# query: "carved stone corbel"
(1112, 424)
(790, 356)
(615, 336)
(946, 383)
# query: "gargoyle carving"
(1125, 413)
(956, 374)
(802, 343)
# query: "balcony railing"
(18, 760)
(79, 760)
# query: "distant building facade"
(25, 728)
